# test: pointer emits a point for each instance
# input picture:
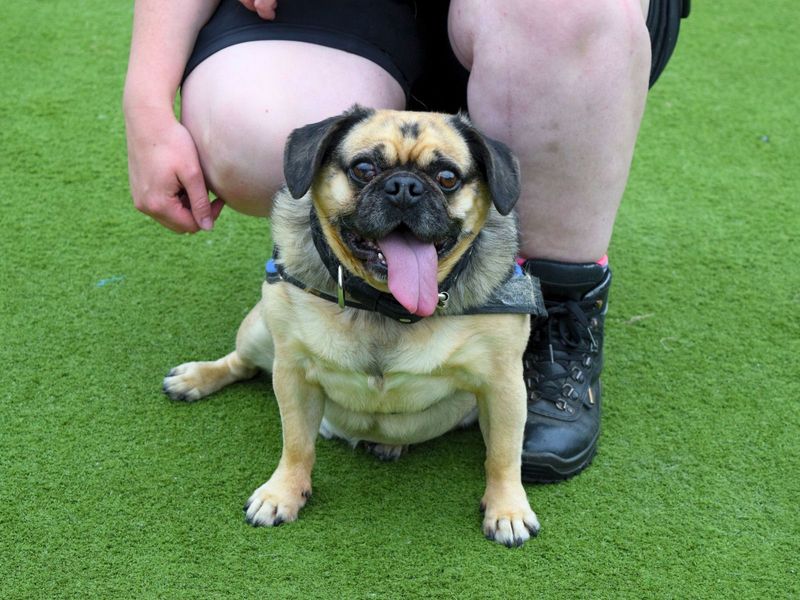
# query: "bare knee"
(241, 104)
(555, 77)
(240, 150)
(550, 37)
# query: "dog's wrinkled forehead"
(407, 138)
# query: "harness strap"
(519, 294)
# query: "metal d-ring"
(340, 287)
(443, 298)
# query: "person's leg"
(564, 85)
(241, 103)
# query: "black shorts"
(407, 38)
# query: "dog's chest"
(392, 369)
(382, 393)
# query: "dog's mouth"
(408, 265)
(369, 251)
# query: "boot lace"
(559, 352)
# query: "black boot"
(562, 366)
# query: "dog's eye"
(363, 172)
(447, 180)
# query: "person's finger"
(167, 210)
(176, 217)
(194, 183)
(249, 4)
(216, 208)
(266, 8)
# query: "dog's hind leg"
(254, 350)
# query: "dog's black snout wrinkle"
(403, 190)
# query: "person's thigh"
(241, 103)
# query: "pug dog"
(393, 310)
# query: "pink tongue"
(412, 272)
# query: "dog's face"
(400, 196)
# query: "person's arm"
(166, 180)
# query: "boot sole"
(545, 467)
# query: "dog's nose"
(403, 190)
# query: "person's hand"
(166, 180)
(264, 8)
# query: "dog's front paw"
(508, 519)
(189, 382)
(275, 503)
(194, 380)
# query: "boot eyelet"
(567, 390)
(587, 361)
(561, 404)
(594, 323)
(577, 374)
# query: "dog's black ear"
(306, 147)
(498, 165)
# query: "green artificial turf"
(109, 490)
